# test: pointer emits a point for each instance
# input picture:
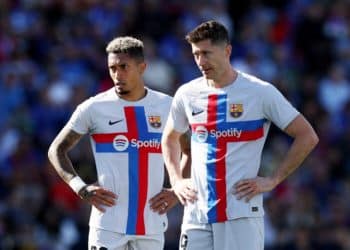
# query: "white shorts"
(106, 240)
(238, 234)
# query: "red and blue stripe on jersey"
(138, 163)
(217, 151)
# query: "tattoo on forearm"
(58, 153)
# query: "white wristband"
(76, 184)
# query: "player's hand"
(185, 191)
(248, 188)
(98, 197)
(163, 201)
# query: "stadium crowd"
(52, 56)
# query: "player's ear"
(228, 50)
(142, 67)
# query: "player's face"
(126, 73)
(211, 58)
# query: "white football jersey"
(229, 129)
(126, 143)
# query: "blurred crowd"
(52, 57)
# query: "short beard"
(123, 92)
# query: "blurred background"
(52, 57)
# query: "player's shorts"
(238, 234)
(106, 240)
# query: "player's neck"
(226, 79)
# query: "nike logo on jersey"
(114, 122)
(197, 112)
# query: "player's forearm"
(58, 153)
(171, 154)
(299, 150)
(61, 163)
(185, 163)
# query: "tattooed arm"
(58, 156)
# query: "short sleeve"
(277, 108)
(80, 120)
(177, 117)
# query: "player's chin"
(207, 75)
(121, 91)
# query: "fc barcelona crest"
(236, 110)
(154, 121)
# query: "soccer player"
(230, 113)
(125, 125)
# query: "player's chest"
(220, 108)
(130, 119)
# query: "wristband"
(76, 184)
